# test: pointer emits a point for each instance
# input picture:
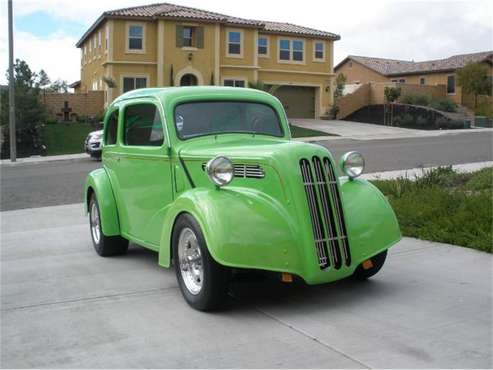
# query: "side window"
(112, 128)
(142, 125)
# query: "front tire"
(104, 245)
(377, 262)
(203, 282)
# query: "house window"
(263, 46)
(142, 125)
(298, 51)
(319, 50)
(291, 50)
(189, 37)
(135, 37)
(234, 83)
(284, 50)
(451, 84)
(112, 128)
(350, 64)
(422, 81)
(402, 81)
(107, 38)
(188, 33)
(393, 81)
(234, 43)
(132, 83)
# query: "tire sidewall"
(97, 246)
(201, 300)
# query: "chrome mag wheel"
(95, 223)
(190, 260)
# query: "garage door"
(298, 101)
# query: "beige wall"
(352, 102)
(163, 61)
(434, 79)
(357, 73)
(84, 104)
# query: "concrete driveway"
(368, 131)
(63, 306)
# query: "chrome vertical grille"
(317, 223)
(324, 203)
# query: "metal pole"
(13, 152)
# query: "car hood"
(248, 147)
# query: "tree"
(474, 79)
(340, 84)
(338, 92)
(30, 112)
(392, 93)
(43, 80)
(58, 86)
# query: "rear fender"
(98, 182)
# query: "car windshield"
(220, 117)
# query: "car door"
(143, 171)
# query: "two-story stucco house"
(172, 45)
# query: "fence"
(374, 93)
(70, 107)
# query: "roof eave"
(300, 34)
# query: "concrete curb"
(39, 160)
(413, 173)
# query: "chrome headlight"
(352, 164)
(220, 170)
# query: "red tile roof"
(394, 67)
(172, 11)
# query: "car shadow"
(252, 289)
(269, 292)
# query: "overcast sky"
(46, 30)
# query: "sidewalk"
(368, 131)
(412, 173)
(40, 159)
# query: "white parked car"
(92, 144)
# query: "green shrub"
(444, 104)
(422, 122)
(416, 99)
(484, 109)
(406, 120)
(51, 121)
(445, 206)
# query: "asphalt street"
(62, 306)
(47, 184)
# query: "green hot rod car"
(210, 179)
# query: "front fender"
(370, 220)
(98, 182)
(242, 227)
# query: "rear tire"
(361, 274)
(104, 245)
(203, 282)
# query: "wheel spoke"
(190, 261)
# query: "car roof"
(165, 93)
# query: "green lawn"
(297, 131)
(445, 206)
(65, 138)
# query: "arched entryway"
(188, 79)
